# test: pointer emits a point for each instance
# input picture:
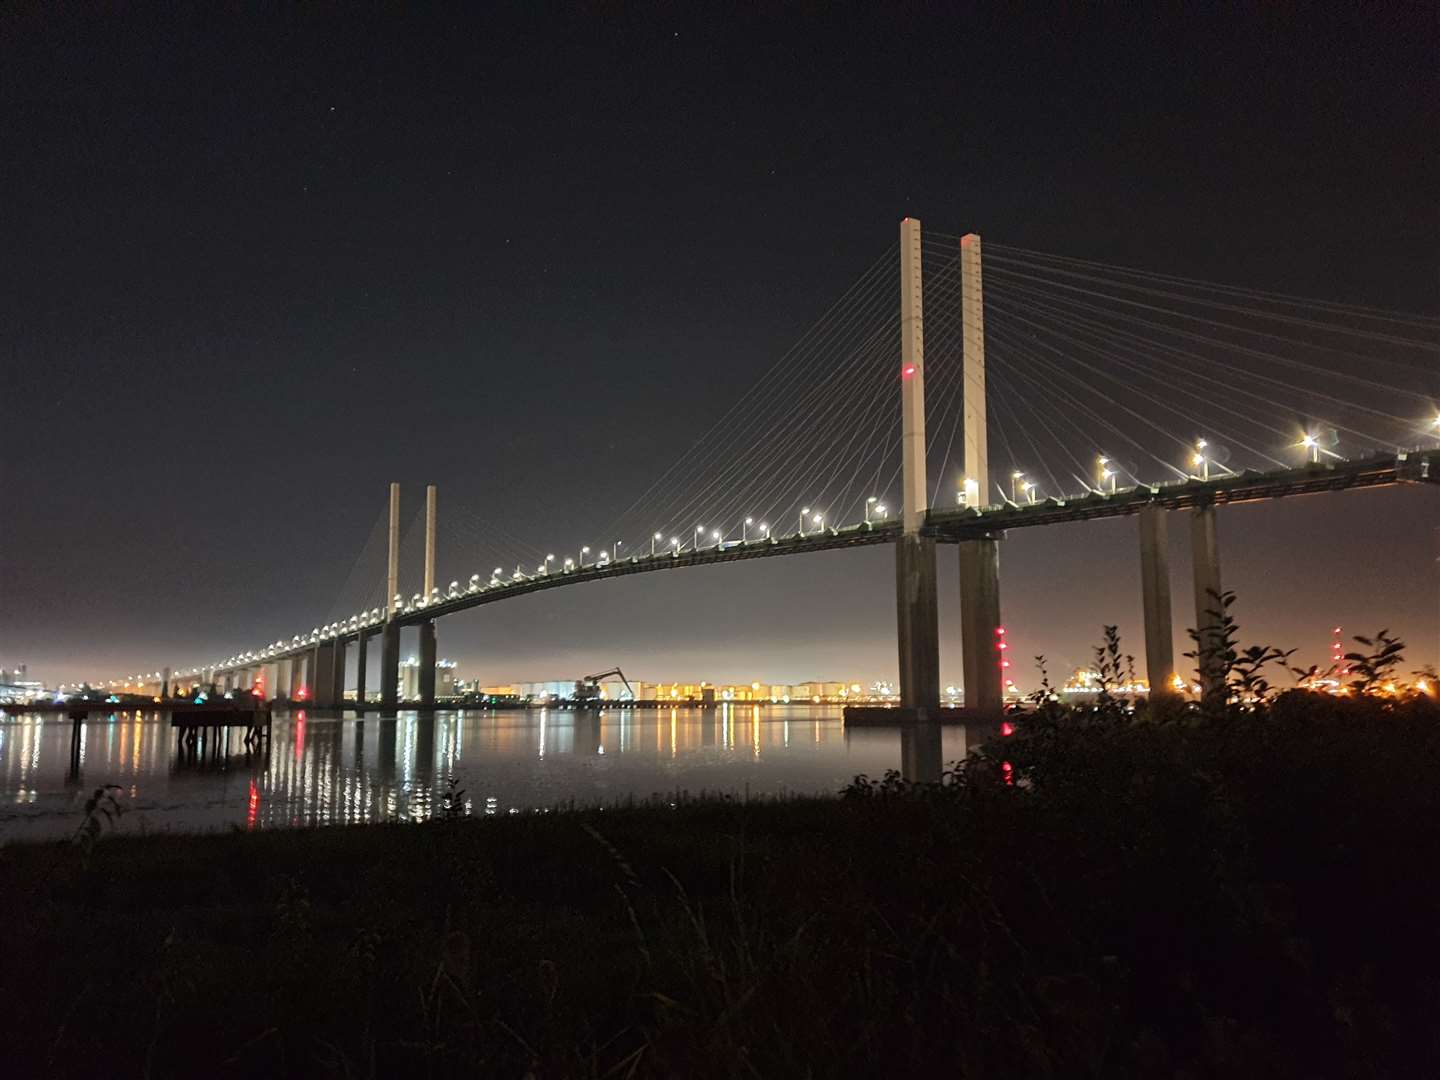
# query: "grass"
(1245, 895)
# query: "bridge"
(1093, 368)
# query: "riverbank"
(1232, 898)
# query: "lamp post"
(804, 511)
(869, 504)
(1029, 488)
(583, 552)
(745, 529)
(1015, 478)
(699, 535)
(1199, 460)
(764, 531)
(655, 539)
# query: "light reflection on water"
(328, 771)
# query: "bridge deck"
(948, 526)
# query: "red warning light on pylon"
(907, 371)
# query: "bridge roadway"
(946, 526)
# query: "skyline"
(300, 275)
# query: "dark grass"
(1249, 896)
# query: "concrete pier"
(1209, 611)
(979, 623)
(1155, 601)
(337, 688)
(297, 677)
(390, 666)
(323, 675)
(917, 626)
(427, 665)
(362, 640)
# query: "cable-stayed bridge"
(1032, 389)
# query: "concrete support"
(917, 623)
(922, 760)
(337, 688)
(390, 666)
(427, 665)
(1155, 600)
(323, 677)
(430, 501)
(1209, 611)
(973, 412)
(392, 566)
(165, 684)
(297, 677)
(361, 641)
(979, 623)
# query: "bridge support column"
(361, 641)
(390, 667)
(917, 626)
(427, 664)
(1155, 601)
(165, 684)
(322, 675)
(297, 677)
(337, 689)
(1209, 611)
(979, 621)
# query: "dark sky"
(257, 267)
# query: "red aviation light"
(907, 371)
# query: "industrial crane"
(587, 690)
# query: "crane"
(587, 690)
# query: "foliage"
(1228, 673)
(1376, 667)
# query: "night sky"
(256, 268)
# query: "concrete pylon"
(979, 559)
(362, 640)
(430, 509)
(165, 684)
(427, 664)
(1155, 600)
(980, 625)
(322, 687)
(917, 622)
(390, 666)
(1209, 611)
(337, 689)
(297, 677)
(392, 565)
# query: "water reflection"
(323, 770)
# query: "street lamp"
(819, 520)
(675, 543)
(615, 551)
(653, 541)
(745, 529)
(1199, 460)
(881, 511)
(569, 565)
(1015, 478)
(869, 504)
(583, 552)
(715, 535)
(804, 510)
(1029, 488)
(699, 534)
(764, 531)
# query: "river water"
(323, 771)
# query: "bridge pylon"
(390, 636)
(980, 624)
(917, 618)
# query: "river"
(323, 771)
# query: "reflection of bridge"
(1086, 352)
